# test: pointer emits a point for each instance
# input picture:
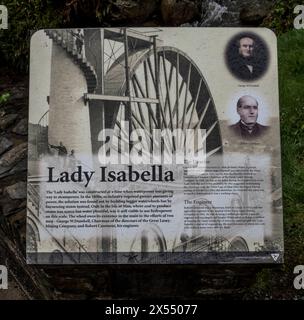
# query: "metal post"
(156, 63)
(102, 60)
(127, 72)
(101, 89)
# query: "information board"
(152, 145)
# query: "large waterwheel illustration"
(152, 86)
(132, 76)
(143, 82)
(165, 90)
(100, 80)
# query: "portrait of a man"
(247, 127)
(247, 57)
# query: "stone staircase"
(67, 40)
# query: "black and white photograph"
(248, 127)
(247, 56)
(129, 159)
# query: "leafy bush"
(4, 97)
(281, 18)
(25, 16)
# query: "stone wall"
(154, 13)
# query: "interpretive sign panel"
(154, 146)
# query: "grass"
(278, 283)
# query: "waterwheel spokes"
(184, 102)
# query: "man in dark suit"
(245, 65)
(247, 127)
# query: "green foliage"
(262, 286)
(4, 97)
(291, 61)
(279, 283)
(281, 18)
(25, 16)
